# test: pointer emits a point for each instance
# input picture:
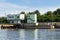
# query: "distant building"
(32, 18)
(15, 18)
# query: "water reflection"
(22, 34)
(30, 34)
(3, 35)
(13, 35)
(36, 34)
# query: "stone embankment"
(2, 26)
(43, 25)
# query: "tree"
(3, 20)
(22, 13)
(38, 15)
(37, 12)
(50, 16)
(57, 14)
(49, 13)
(58, 11)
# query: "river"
(30, 34)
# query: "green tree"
(57, 14)
(22, 13)
(3, 20)
(38, 15)
(50, 16)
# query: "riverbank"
(43, 25)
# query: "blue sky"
(16, 6)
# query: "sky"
(16, 6)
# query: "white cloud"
(45, 9)
(8, 8)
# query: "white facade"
(35, 18)
(22, 16)
(32, 18)
(15, 18)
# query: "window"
(10, 16)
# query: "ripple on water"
(30, 34)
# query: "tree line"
(3, 20)
(49, 16)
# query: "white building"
(15, 18)
(32, 18)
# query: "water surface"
(30, 34)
